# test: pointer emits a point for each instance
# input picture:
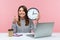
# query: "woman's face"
(21, 12)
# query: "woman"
(23, 24)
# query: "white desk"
(4, 36)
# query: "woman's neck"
(22, 18)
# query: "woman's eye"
(19, 10)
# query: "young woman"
(23, 24)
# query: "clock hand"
(34, 13)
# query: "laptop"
(42, 30)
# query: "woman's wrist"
(32, 31)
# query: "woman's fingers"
(37, 17)
(15, 19)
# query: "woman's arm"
(14, 27)
(34, 22)
(31, 26)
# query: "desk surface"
(4, 36)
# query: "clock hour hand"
(33, 13)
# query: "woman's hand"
(15, 19)
(36, 20)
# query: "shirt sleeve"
(31, 25)
(14, 27)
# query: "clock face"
(33, 13)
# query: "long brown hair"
(26, 17)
